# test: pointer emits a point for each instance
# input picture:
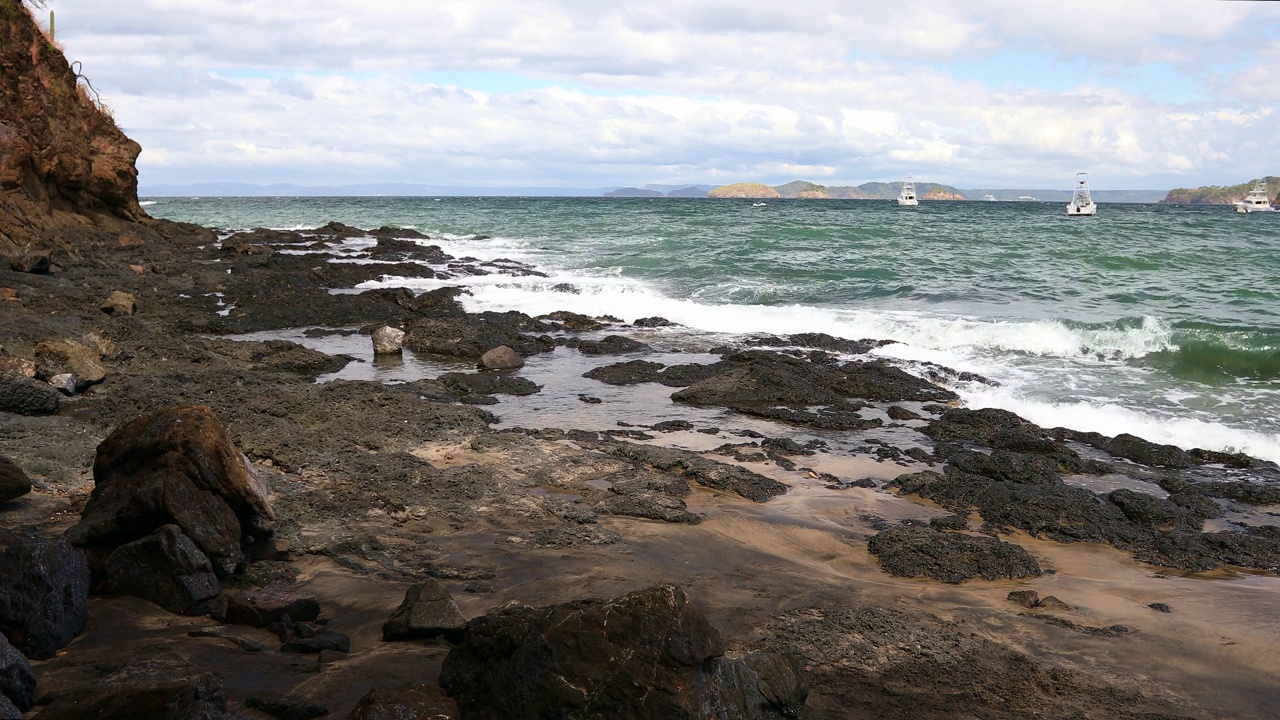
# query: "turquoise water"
(1158, 320)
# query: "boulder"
(427, 611)
(17, 366)
(9, 711)
(387, 340)
(501, 358)
(45, 593)
(17, 682)
(419, 702)
(175, 467)
(1025, 598)
(652, 322)
(916, 550)
(14, 483)
(54, 357)
(612, 345)
(663, 660)
(166, 568)
(28, 396)
(36, 262)
(486, 383)
(119, 303)
(159, 688)
(64, 383)
(271, 604)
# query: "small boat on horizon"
(907, 195)
(1082, 204)
(1256, 200)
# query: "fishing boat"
(1082, 204)
(907, 196)
(1256, 200)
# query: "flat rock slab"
(920, 550)
(271, 604)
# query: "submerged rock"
(427, 611)
(664, 660)
(175, 467)
(915, 550)
(45, 594)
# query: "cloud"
(336, 91)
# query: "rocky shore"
(235, 485)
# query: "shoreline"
(377, 485)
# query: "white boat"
(1256, 200)
(989, 197)
(1082, 204)
(758, 204)
(907, 196)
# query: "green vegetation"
(1218, 194)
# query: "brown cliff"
(65, 168)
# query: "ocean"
(1161, 321)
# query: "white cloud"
(330, 91)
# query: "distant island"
(1220, 194)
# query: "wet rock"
(45, 593)
(501, 358)
(1160, 607)
(1155, 513)
(705, 472)
(627, 373)
(14, 483)
(949, 522)
(36, 262)
(325, 640)
(671, 425)
(17, 682)
(159, 688)
(1109, 631)
(387, 340)
(165, 568)
(119, 303)
(612, 345)
(427, 611)
(588, 399)
(915, 550)
(822, 341)
(488, 383)
(1138, 450)
(897, 412)
(64, 383)
(471, 336)
(271, 604)
(566, 536)
(175, 466)
(287, 708)
(652, 322)
(573, 321)
(665, 660)
(1052, 603)
(650, 505)
(416, 702)
(54, 357)
(28, 396)
(1025, 598)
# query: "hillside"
(805, 190)
(1220, 194)
(64, 165)
(744, 190)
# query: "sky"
(1142, 94)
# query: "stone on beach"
(119, 303)
(175, 466)
(664, 660)
(387, 340)
(27, 396)
(55, 357)
(45, 594)
(14, 483)
(64, 383)
(17, 682)
(36, 262)
(160, 687)
(427, 611)
(916, 550)
(501, 358)
(271, 604)
(164, 567)
(17, 366)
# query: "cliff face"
(63, 162)
(1218, 194)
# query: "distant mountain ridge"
(1221, 194)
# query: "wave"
(145, 203)
(1215, 358)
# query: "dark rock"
(1147, 453)
(1025, 598)
(158, 688)
(612, 345)
(175, 466)
(588, 399)
(949, 522)
(416, 702)
(488, 383)
(915, 550)
(17, 682)
(705, 472)
(627, 373)
(9, 711)
(650, 505)
(1052, 603)
(665, 660)
(671, 426)
(1160, 607)
(222, 633)
(326, 640)
(1156, 513)
(427, 611)
(287, 708)
(1110, 631)
(27, 396)
(271, 604)
(14, 483)
(501, 358)
(573, 321)
(652, 322)
(164, 567)
(471, 336)
(45, 593)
